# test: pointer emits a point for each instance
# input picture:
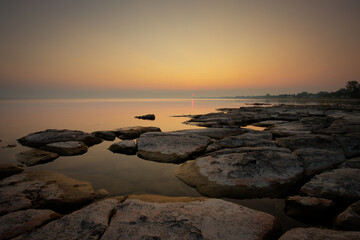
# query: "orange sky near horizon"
(180, 45)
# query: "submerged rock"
(186, 218)
(43, 189)
(319, 233)
(34, 156)
(10, 146)
(243, 172)
(134, 132)
(69, 148)
(350, 218)
(338, 184)
(125, 146)
(39, 139)
(105, 135)
(20, 222)
(171, 147)
(7, 170)
(146, 117)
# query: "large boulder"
(87, 223)
(125, 147)
(319, 233)
(43, 189)
(171, 147)
(186, 218)
(7, 170)
(350, 218)
(243, 172)
(105, 135)
(16, 223)
(35, 156)
(134, 132)
(39, 139)
(69, 148)
(338, 184)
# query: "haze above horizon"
(176, 48)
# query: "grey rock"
(7, 170)
(352, 163)
(350, 218)
(134, 132)
(105, 135)
(348, 125)
(171, 147)
(87, 223)
(350, 145)
(309, 141)
(337, 184)
(244, 173)
(146, 117)
(319, 233)
(69, 148)
(34, 156)
(39, 139)
(269, 123)
(216, 133)
(43, 189)
(317, 160)
(20, 222)
(125, 146)
(192, 219)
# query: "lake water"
(117, 173)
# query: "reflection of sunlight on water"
(255, 127)
(192, 103)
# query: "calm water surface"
(117, 173)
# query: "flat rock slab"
(350, 218)
(125, 147)
(186, 219)
(20, 222)
(352, 163)
(318, 160)
(39, 139)
(105, 135)
(309, 141)
(87, 223)
(69, 148)
(43, 190)
(216, 133)
(319, 233)
(268, 123)
(337, 184)
(348, 125)
(171, 147)
(7, 170)
(244, 173)
(34, 156)
(146, 117)
(134, 132)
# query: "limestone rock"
(7, 170)
(171, 147)
(350, 218)
(39, 139)
(349, 125)
(105, 135)
(352, 163)
(134, 132)
(350, 145)
(309, 141)
(199, 219)
(20, 222)
(319, 233)
(69, 148)
(125, 146)
(216, 133)
(269, 123)
(146, 117)
(243, 172)
(34, 156)
(337, 184)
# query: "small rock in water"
(105, 135)
(7, 170)
(35, 156)
(126, 147)
(69, 148)
(146, 117)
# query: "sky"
(169, 48)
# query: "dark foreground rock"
(146, 117)
(134, 132)
(352, 163)
(338, 184)
(39, 139)
(20, 222)
(34, 156)
(68, 148)
(350, 218)
(43, 190)
(309, 141)
(7, 170)
(105, 135)
(171, 147)
(125, 147)
(319, 233)
(216, 133)
(243, 172)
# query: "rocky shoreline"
(307, 154)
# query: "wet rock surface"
(7, 170)
(68, 148)
(350, 218)
(243, 173)
(34, 156)
(171, 147)
(319, 233)
(125, 147)
(134, 132)
(105, 135)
